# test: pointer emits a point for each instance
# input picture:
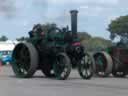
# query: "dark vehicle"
(54, 53)
(113, 60)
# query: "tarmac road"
(74, 86)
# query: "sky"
(17, 17)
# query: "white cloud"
(110, 18)
(25, 23)
(108, 1)
(111, 2)
(84, 7)
(91, 11)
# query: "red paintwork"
(121, 54)
(76, 44)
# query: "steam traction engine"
(54, 53)
(113, 60)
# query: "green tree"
(119, 27)
(84, 36)
(22, 39)
(96, 43)
(3, 38)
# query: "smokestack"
(74, 23)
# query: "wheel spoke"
(23, 60)
(85, 59)
(85, 67)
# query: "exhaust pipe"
(74, 23)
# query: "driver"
(37, 31)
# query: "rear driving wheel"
(62, 66)
(25, 60)
(103, 64)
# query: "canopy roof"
(8, 45)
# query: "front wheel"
(62, 66)
(85, 69)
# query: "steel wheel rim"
(22, 60)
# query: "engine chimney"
(74, 23)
